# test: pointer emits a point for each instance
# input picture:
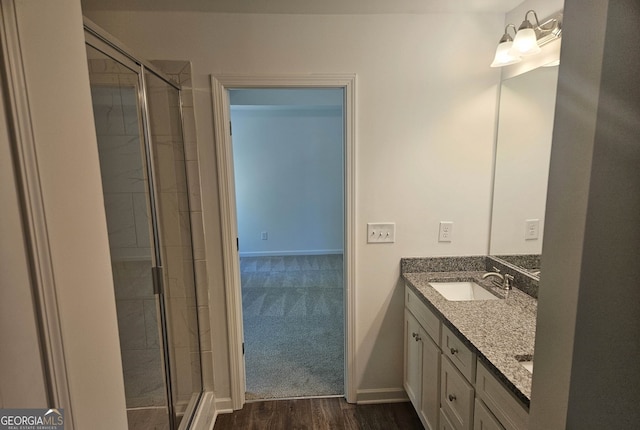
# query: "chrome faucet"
(506, 280)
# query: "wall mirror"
(525, 126)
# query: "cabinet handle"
(418, 338)
(453, 351)
(414, 335)
(452, 397)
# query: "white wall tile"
(169, 217)
(193, 179)
(197, 232)
(165, 168)
(179, 322)
(202, 283)
(131, 324)
(107, 110)
(207, 370)
(182, 369)
(120, 220)
(143, 377)
(204, 327)
(121, 164)
(132, 279)
(189, 121)
(151, 323)
(190, 151)
(142, 220)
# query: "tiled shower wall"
(138, 328)
(114, 91)
(119, 145)
(116, 122)
(180, 72)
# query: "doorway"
(288, 147)
(226, 178)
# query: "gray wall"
(587, 375)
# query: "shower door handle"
(158, 275)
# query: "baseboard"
(290, 253)
(381, 395)
(224, 405)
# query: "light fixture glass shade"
(525, 42)
(504, 55)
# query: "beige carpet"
(293, 326)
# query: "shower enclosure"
(138, 121)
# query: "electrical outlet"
(531, 229)
(446, 231)
(381, 232)
(264, 235)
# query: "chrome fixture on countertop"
(506, 280)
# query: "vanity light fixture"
(504, 55)
(528, 39)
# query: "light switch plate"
(381, 232)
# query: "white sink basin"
(462, 291)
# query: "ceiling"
(327, 7)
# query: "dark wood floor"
(320, 414)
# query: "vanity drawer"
(511, 413)
(483, 419)
(425, 316)
(458, 353)
(456, 397)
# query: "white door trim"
(224, 155)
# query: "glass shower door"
(139, 129)
(115, 89)
(177, 253)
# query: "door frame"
(220, 84)
(39, 258)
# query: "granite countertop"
(498, 330)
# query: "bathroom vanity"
(468, 358)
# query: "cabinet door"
(483, 419)
(430, 406)
(413, 359)
(511, 413)
(445, 424)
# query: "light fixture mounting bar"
(549, 30)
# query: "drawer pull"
(452, 397)
(453, 351)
